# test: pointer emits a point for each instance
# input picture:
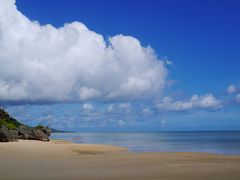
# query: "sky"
(121, 65)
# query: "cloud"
(71, 117)
(195, 102)
(238, 98)
(87, 107)
(146, 111)
(121, 122)
(45, 120)
(234, 90)
(110, 108)
(88, 93)
(120, 107)
(72, 63)
(168, 62)
(231, 89)
(124, 105)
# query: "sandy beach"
(65, 160)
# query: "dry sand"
(64, 160)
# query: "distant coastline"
(53, 130)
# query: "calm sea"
(223, 142)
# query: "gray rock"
(14, 135)
(46, 130)
(7, 135)
(41, 134)
(25, 132)
(11, 129)
(4, 134)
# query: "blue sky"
(196, 87)
(200, 37)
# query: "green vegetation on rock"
(11, 130)
(7, 124)
(39, 126)
(8, 121)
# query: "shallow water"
(223, 142)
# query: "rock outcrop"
(7, 135)
(12, 130)
(37, 133)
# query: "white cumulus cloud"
(88, 93)
(87, 107)
(195, 102)
(72, 63)
(231, 89)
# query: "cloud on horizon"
(41, 63)
(234, 91)
(195, 102)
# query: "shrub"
(11, 126)
(6, 118)
(7, 124)
(39, 126)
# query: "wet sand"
(65, 160)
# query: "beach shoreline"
(60, 159)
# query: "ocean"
(221, 142)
